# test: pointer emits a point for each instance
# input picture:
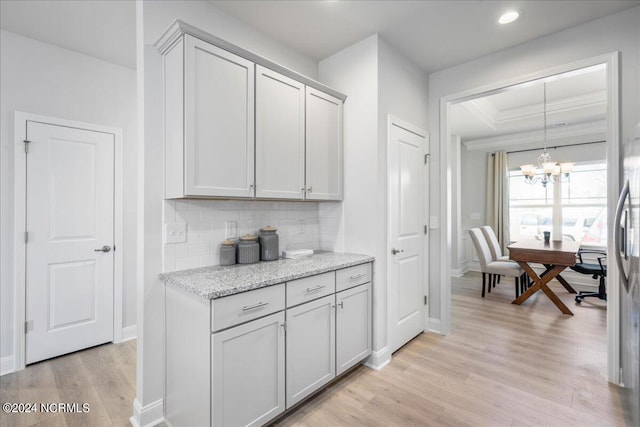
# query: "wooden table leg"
(560, 279)
(566, 284)
(541, 284)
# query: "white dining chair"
(494, 244)
(490, 267)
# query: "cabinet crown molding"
(178, 28)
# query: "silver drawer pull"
(315, 288)
(254, 306)
(356, 277)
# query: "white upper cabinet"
(279, 136)
(237, 125)
(323, 146)
(214, 153)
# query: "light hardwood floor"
(503, 365)
(103, 376)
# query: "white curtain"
(498, 197)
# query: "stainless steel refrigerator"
(627, 244)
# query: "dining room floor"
(502, 365)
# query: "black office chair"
(598, 270)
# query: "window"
(583, 203)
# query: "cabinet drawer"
(310, 288)
(229, 311)
(353, 276)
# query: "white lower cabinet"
(311, 338)
(243, 359)
(353, 326)
(248, 365)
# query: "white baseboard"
(434, 326)
(148, 415)
(457, 272)
(7, 365)
(473, 266)
(129, 333)
(378, 359)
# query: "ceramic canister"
(269, 244)
(228, 252)
(248, 249)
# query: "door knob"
(396, 250)
(105, 248)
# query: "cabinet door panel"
(219, 122)
(248, 373)
(353, 326)
(311, 353)
(279, 136)
(323, 146)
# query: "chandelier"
(547, 170)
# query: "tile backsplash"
(297, 224)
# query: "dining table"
(555, 256)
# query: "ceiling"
(433, 34)
(575, 112)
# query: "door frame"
(20, 211)
(449, 157)
(395, 121)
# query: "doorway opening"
(451, 210)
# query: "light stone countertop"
(219, 281)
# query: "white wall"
(153, 18)
(39, 78)
(378, 82)
(473, 187)
(402, 90)
(618, 32)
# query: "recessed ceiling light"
(508, 17)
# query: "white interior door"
(69, 251)
(406, 258)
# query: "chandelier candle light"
(551, 171)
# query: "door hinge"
(28, 326)
(26, 145)
(426, 158)
(425, 300)
(26, 237)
